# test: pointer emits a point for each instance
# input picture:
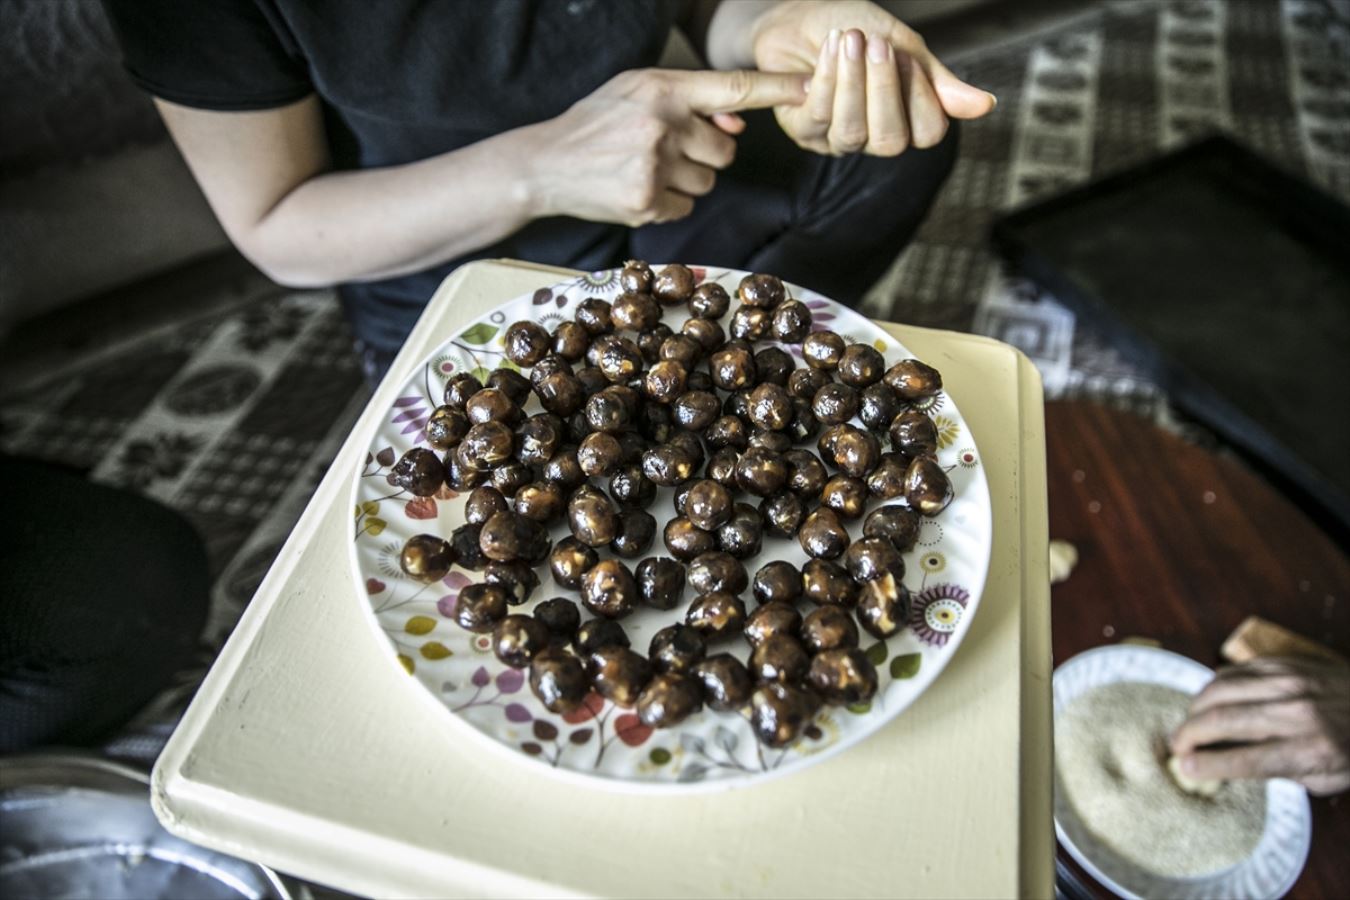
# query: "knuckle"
(887, 145)
(930, 134)
(739, 86)
(848, 141)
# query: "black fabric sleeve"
(210, 54)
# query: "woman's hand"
(644, 145)
(1271, 718)
(875, 86)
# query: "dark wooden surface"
(1178, 544)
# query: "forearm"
(379, 223)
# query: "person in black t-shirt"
(378, 145)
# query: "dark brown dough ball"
(559, 681)
(553, 364)
(727, 431)
(570, 340)
(539, 438)
(898, 524)
(782, 514)
(749, 323)
(419, 471)
(727, 684)
(683, 349)
(517, 638)
(459, 388)
(761, 472)
(781, 658)
(927, 487)
(446, 427)
(460, 477)
(619, 674)
(732, 368)
(779, 713)
(843, 676)
(596, 634)
(492, 405)
(883, 606)
(770, 407)
(761, 290)
(835, 403)
(668, 700)
(487, 444)
(914, 380)
(427, 558)
(806, 474)
(526, 343)
(592, 517)
(468, 553)
(716, 571)
(599, 454)
(668, 465)
(511, 476)
(707, 332)
(649, 342)
(618, 358)
(677, 648)
(674, 284)
(775, 617)
(743, 534)
(803, 383)
(887, 480)
(721, 467)
(872, 557)
(517, 577)
(609, 590)
(857, 452)
(560, 393)
(637, 530)
(878, 405)
(791, 322)
(665, 381)
(823, 350)
(564, 470)
(483, 503)
(630, 488)
(508, 536)
(685, 540)
(695, 410)
(481, 606)
(804, 426)
(560, 616)
(846, 496)
(570, 560)
(636, 276)
(635, 312)
(825, 583)
(778, 581)
(822, 535)
(828, 627)
(709, 301)
(542, 501)
(708, 504)
(861, 365)
(774, 365)
(716, 615)
(592, 379)
(914, 434)
(660, 582)
(593, 314)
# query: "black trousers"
(833, 224)
(103, 595)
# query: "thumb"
(959, 100)
(708, 92)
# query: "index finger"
(709, 91)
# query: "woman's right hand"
(644, 145)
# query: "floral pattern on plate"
(601, 743)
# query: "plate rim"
(609, 781)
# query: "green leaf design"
(479, 334)
(374, 526)
(859, 709)
(482, 373)
(906, 666)
(693, 772)
(435, 650)
(659, 756)
(507, 364)
(877, 653)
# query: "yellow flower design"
(933, 562)
(947, 431)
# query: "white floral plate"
(600, 743)
(1273, 866)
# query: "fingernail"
(831, 47)
(877, 49)
(853, 45)
(993, 98)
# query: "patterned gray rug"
(234, 419)
(1107, 90)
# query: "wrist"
(532, 191)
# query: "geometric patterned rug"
(1109, 89)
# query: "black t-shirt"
(400, 80)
